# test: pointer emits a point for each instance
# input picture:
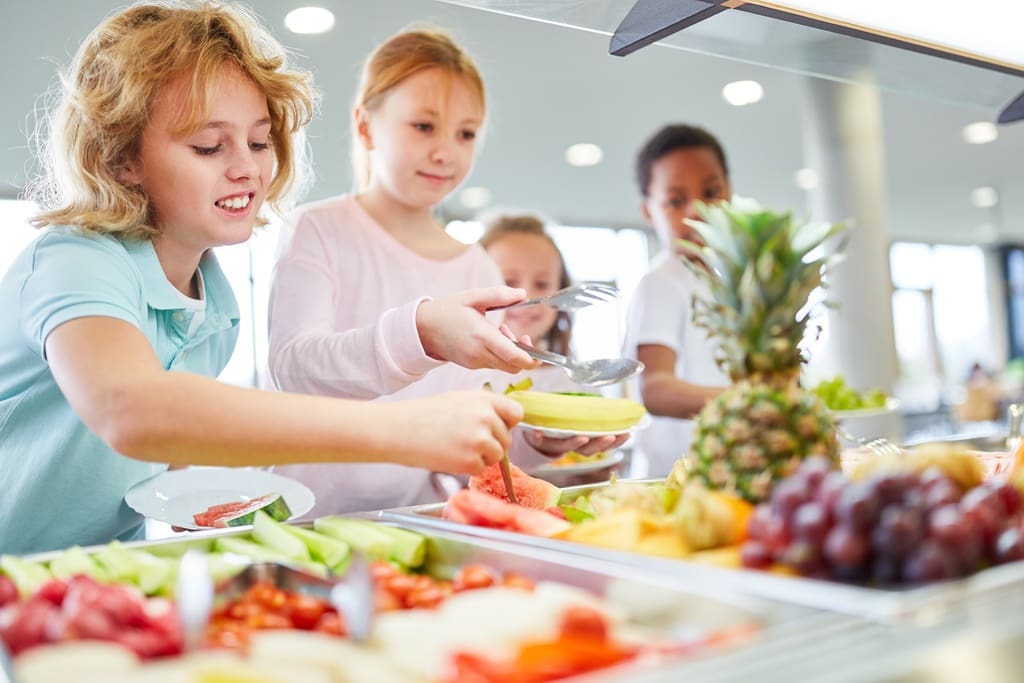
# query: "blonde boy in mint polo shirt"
(176, 125)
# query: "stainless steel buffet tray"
(647, 599)
(925, 603)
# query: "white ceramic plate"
(644, 423)
(583, 467)
(891, 405)
(175, 496)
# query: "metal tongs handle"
(352, 595)
(6, 665)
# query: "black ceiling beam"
(649, 21)
(1014, 111)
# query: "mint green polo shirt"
(60, 485)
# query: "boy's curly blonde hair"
(108, 95)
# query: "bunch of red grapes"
(897, 527)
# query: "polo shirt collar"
(161, 294)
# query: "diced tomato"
(385, 601)
(424, 598)
(381, 571)
(513, 580)
(474, 576)
(331, 624)
(584, 622)
(267, 595)
(305, 611)
(400, 585)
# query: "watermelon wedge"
(480, 509)
(243, 513)
(530, 491)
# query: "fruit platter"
(447, 608)
(884, 540)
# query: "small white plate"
(891, 405)
(644, 423)
(583, 467)
(175, 496)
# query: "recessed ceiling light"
(740, 93)
(980, 132)
(984, 197)
(309, 20)
(475, 197)
(584, 154)
(806, 178)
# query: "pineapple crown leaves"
(759, 276)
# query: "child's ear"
(361, 119)
(127, 173)
(645, 211)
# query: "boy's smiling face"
(680, 179)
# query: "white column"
(844, 144)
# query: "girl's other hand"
(460, 432)
(453, 328)
(584, 445)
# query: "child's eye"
(259, 146)
(423, 127)
(677, 203)
(713, 193)
(468, 134)
(206, 151)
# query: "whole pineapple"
(759, 276)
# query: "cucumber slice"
(377, 541)
(271, 534)
(27, 576)
(331, 551)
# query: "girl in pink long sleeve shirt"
(363, 293)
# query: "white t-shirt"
(661, 313)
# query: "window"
(15, 230)
(941, 318)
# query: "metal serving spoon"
(592, 373)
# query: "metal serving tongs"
(351, 594)
(6, 665)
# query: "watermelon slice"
(243, 513)
(479, 509)
(530, 491)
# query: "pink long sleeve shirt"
(343, 323)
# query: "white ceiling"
(550, 87)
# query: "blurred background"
(931, 298)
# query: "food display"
(895, 526)
(441, 615)
(839, 396)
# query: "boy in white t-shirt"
(676, 168)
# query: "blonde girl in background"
(529, 259)
(418, 113)
(177, 124)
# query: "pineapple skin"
(756, 433)
(760, 273)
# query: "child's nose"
(442, 151)
(243, 165)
